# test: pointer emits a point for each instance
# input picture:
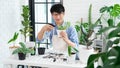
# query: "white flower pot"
(84, 53)
(59, 31)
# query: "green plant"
(86, 29)
(23, 49)
(81, 36)
(110, 58)
(70, 48)
(26, 23)
(61, 27)
(114, 13)
(14, 38)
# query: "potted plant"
(111, 54)
(41, 50)
(27, 29)
(86, 29)
(63, 28)
(22, 51)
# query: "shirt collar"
(63, 24)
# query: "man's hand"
(66, 39)
(47, 27)
(64, 35)
(44, 29)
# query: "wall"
(77, 9)
(10, 22)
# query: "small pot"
(21, 56)
(41, 50)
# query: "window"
(40, 15)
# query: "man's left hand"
(64, 35)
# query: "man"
(69, 36)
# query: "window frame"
(32, 16)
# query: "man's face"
(58, 17)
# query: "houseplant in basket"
(22, 51)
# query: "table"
(39, 61)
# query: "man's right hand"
(44, 29)
(48, 27)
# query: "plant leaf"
(69, 50)
(104, 30)
(92, 58)
(14, 37)
(22, 45)
(75, 49)
(116, 41)
(83, 30)
(114, 33)
(110, 22)
(103, 9)
(109, 44)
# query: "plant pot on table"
(21, 56)
(41, 50)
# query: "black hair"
(58, 8)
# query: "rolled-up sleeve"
(45, 36)
(72, 33)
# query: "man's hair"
(58, 8)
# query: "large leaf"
(92, 58)
(104, 30)
(22, 45)
(118, 25)
(16, 51)
(108, 45)
(110, 22)
(14, 37)
(77, 27)
(103, 9)
(115, 51)
(114, 33)
(116, 10)
(116, 41)
(75, 49)
(83, 30)
(69, 50)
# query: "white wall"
(10, 22)
(77, 9)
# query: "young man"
(69, 36)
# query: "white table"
(39, 61)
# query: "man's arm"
(45, 28)
(72, 39)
